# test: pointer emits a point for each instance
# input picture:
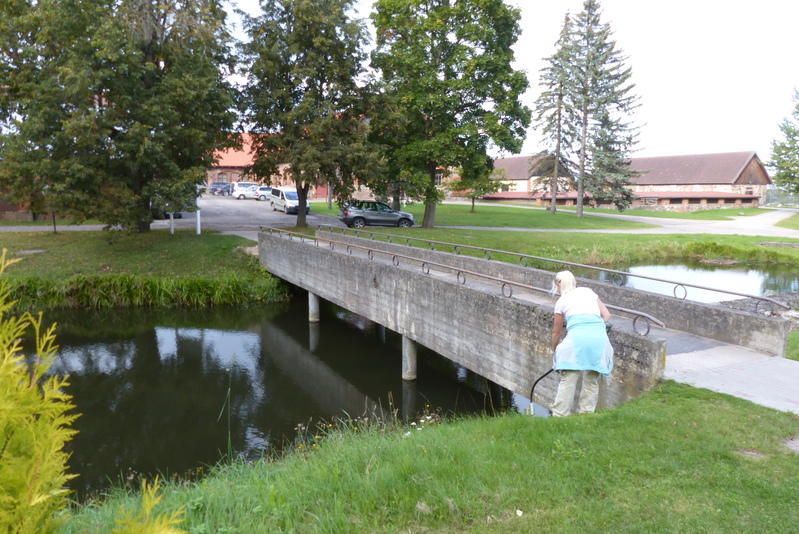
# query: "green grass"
(152, 253)
(792, 347)
(725, 214)
(678, 460)
(105, 270)
(606, 248)
(505, 217)
(791, 222)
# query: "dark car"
(219, 189)
(360, 213)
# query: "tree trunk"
(302, 202)
(430, 198)
(581, 172)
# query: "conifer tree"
(600, 92)
(555, 115)
(785, 154)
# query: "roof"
(722, 168)
(692, 194)
(518, 167)
(232, 157)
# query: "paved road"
(729, 369)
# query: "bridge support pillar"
(408, 400)
(408, 359)
(313, 308)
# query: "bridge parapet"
(505, 340)
(765, 334)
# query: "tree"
(599, 90)
(611, 176)
(478, 178)
(555, 115)
(113, 105)
(303, 98)
(449, 64)
(785, 154)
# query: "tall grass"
(678, 460)
(127, 290)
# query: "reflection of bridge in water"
(493, 317)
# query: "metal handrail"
(506, 286)
(523, 257)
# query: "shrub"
(34, 424)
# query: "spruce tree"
(785, 154)
(555, 115)
(600, 92)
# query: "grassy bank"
(604, 249)
(102, 270)
(678, 460)
(791, 222)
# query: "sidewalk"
(740, 372)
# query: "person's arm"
(603, 310)
(557, 328)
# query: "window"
(439, 178)
(222, 176)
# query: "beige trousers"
(565, 397)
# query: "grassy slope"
(154, 253)
(678, 460)
(791, 222)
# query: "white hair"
(564, 282)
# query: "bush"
(34, 424)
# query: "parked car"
(236, 187)
(264, 192)
(286, 200)
(360, 213)
(216, 188)
(247, 192)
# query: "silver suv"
(360, 213)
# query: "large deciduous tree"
(112, 106)
(449, 62)
(597, 96)
(785, 154)
(304, 100)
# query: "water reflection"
(757, 281)
(151, 386)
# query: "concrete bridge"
(494, 317)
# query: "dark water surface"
(151, 386)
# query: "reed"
(127, 290)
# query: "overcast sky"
(712, 75)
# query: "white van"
(237, 187)
(286, 200)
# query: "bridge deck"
(691, 358)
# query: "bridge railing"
(616, 278)
(641, 321)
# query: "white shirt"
(580, 300)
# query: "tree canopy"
(305, 97)
(112, 106)
(449, 63)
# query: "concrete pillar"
(199, 226)
(313, 336)
(313, 308)
(409, 395)
(408, 359)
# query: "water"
(151, 386)
(755, 281)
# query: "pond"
(752, 280)
(152, 386)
